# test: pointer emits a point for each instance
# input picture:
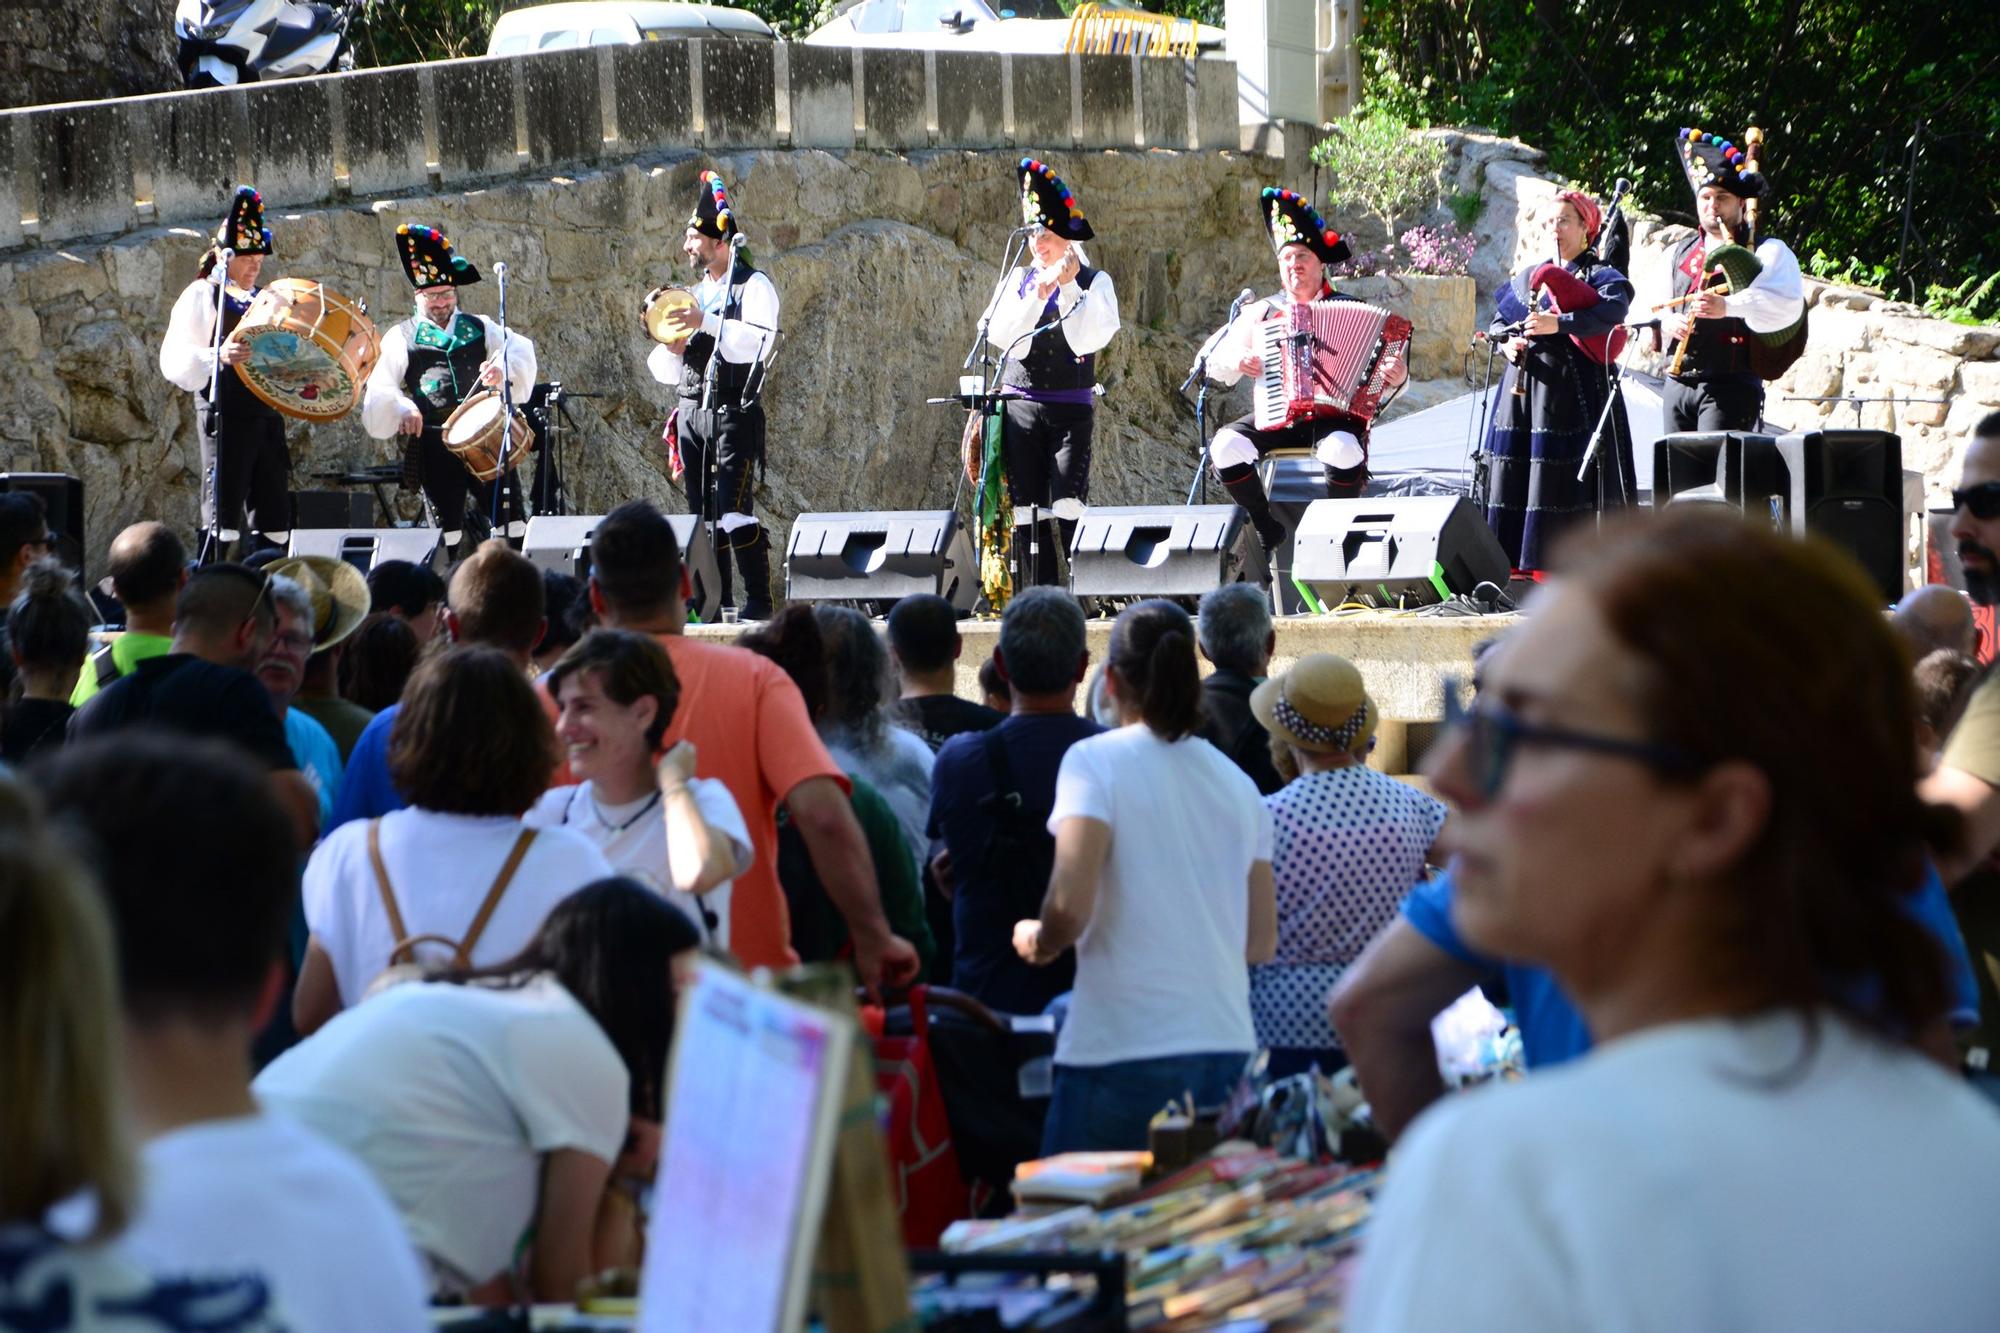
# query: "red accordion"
(1328, 359)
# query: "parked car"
(1026, 27)
(558, 27)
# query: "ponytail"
(1152, 650)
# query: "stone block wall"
(91, 169)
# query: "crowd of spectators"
(342, 919)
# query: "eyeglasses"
(1983, 500)
(1492, 734)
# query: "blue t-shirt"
(318, 758)
(1552, 1030)
(367, 792)
(988, 899)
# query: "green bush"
(1378, 167)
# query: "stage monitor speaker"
(1396, 551)
(1852, 484)
(333, 509)
(365, 548)
(880, 557)
(62, 502)
(1745, 471)
(562, 542)
(1154, 550)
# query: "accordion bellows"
(1330, 358)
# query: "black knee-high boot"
(1345, 483)
(724, 594)
(754, 559)
(1240, 480)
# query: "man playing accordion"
(1305, 246)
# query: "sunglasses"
(1492, 735)
(1983, 500)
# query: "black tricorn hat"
(712, 216)
(243, 231)
(1710, 159)
(428, 260)
(1047, 202)
(1292, 221)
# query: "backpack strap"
(500, 883)
(397, 931)
(1005, 788)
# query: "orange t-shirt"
(749, 728)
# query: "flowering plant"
(1440, 250)
(1363, 264)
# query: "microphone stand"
(1034, 508)
(494, 528)
(982, 352)
(1199, 483)
(211, 545)
(1477, 482)
(1614, 396)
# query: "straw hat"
(339, 595)
(1320, 705)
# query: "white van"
(619, 23)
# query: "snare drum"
(310, 349)
(472, 433)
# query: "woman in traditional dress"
(1560, 323)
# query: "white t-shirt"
(1695, 1176)
(263, 1194)
(440, 867)
(1160, 968)
(633, 838)
(452, 1095)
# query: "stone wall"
(75, 50)
(884, 261)
(101, 168)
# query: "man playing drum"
(724, 337)
(245, 464)
(431, 364)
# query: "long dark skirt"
(1535, 447)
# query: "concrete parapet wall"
(101, 168)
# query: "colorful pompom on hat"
(1047, 202)
(711, 216)
(1292, 221)
(428, 260)
(243, 231)
(1710, 159)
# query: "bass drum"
(472, 433)
(310, 349)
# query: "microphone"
(735, 241)
(220, 273)
(500, 270)
(1243, 298)
(1653, 323)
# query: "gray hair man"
(1237, 639)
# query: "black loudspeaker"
(1845, 486)
(62, 500)
(1154, 550)
(1852, 484)
(880, 557)
(1396, 550)
(365, 548)
(562, 542)
(333, 509)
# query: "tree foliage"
(1869, 110)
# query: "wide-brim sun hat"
(338, 592)
(1321, 706)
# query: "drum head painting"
(297, 376)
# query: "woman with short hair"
(682, 836)
(472, 750)
(1700, 814)
(1162, 881)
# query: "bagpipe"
(1549, 287)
